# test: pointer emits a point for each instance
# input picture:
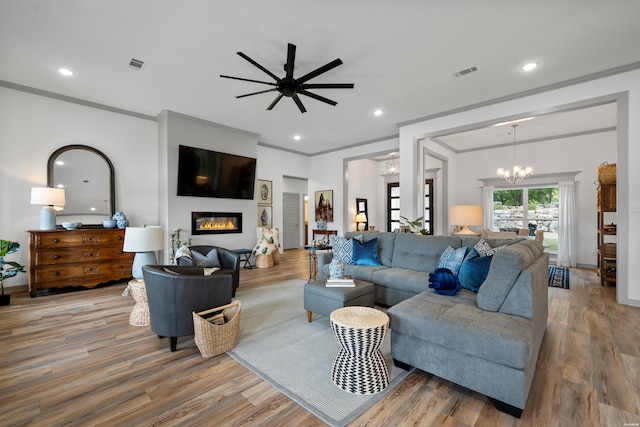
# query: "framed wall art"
(265, 216)
(324, 205)
(264, 192)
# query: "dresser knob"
(56, 257)
(56, 273)
(56, 240)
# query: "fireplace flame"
(218, 225)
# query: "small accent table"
(359, 366)
(326, 233)
(140, 313)
(247, 256)
(313, 260)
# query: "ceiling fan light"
(530, 66)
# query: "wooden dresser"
(83, 257)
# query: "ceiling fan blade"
(256, 93)
(247, 80)
(275, 101)
(318, 97)
(273, 76)
(327, 86)
(291, 59)
(299, 103)
(318, 71)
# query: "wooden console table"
(326, 233)
(82, 257)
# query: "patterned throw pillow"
(452, 259)
(209, 260)
(482, 247)
(343, 248)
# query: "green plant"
(8, 268)
(414, 226)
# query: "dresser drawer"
(91, 271)
(77, 238)
(82, 254)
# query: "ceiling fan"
(291, 87)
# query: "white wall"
(32, 127)
(626, 88)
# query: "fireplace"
(216, 222)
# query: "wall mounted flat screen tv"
(205, 173)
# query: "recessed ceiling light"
(530, 66)
(65, 72)
(377, 112)
(297, 137)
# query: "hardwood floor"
(73, 359)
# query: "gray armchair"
(229, 262)
(174, 292)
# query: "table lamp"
(466, 215)
(360, 219)
(47, 197)
(144, 241)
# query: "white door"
(291, 206)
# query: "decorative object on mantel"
(109, 222)
(393, 165)
(465, 216)
(144, 241)
(8, 268)
(71, 225)
(49, 198)
(517, 173)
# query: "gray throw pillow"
(209, 260)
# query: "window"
(393, 206)
(541, 213)
(428, 206)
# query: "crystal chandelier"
(393, 166)
(517, 173)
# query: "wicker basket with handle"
(213, 339)
(607, 173)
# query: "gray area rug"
(278, 344)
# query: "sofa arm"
(324, 258)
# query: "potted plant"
(415, 226)
(8, 268)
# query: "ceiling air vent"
(136, 64)
(465, 71)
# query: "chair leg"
(173, 343)
(309, 316)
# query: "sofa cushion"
(474, 270)
(458, 324)
(365, 253)
(402, 279)
(452, 259)
(386, 242)
(421, 253)
(444, 282)
(209, 260)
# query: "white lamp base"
(466, 231)
(141, 259)
(47, 218)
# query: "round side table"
(140, 312)
(359, 366)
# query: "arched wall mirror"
(87, 176)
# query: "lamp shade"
(466, 215)
(47, 196)
(361, 217)
(143, 239)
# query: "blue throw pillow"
(366, 253)
(444, 282)
(452, 259)
(474, 270)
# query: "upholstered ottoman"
(323, 300)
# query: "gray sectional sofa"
(487, 342)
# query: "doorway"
(291, 220)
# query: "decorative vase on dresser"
(81, 257)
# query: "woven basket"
(609, 250)
(264, 261)
(213, 340)
(276, 257)
(607, 173)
